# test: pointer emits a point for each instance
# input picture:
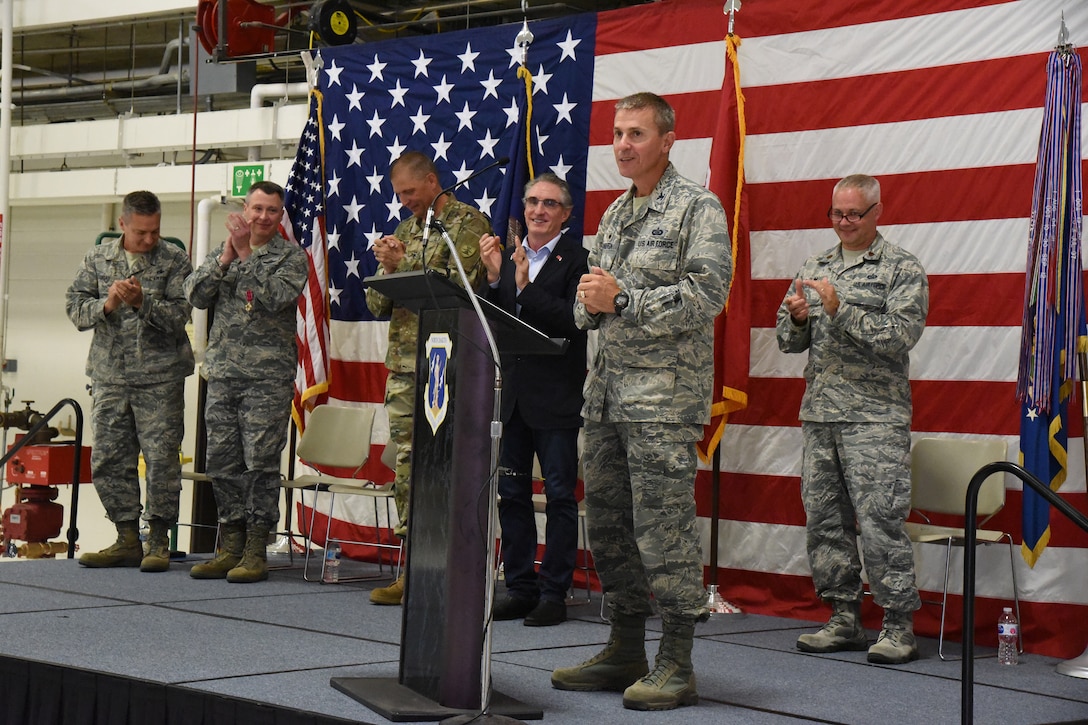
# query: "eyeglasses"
(549, 204)
(853, 217)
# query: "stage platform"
(117, 646)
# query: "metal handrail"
(967, 665)
(73, 531)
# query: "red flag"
(732, 338)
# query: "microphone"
(501, 162)
(430, 207)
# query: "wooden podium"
(443, 622)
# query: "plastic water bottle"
(332, 564)
(1007, 638)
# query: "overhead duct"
(162, 78)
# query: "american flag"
(455, 97)
(942, 101)
(304, 223)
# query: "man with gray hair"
(536, 280)
(660, 269)
(858, 309)
(130, 292)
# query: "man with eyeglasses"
(537, 281)
(660, 269)
(252, 283)
(858, 308)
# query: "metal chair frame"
(941, 470)
(339, 437)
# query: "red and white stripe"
(312, 324)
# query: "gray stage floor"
(281, 641)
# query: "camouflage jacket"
(134, 346)
(465, 225)
(655, 361)
(859, 360)
(254, 306)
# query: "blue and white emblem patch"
(439, 348)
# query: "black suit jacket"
(546, 388)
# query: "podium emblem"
(439, 348)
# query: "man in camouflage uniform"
(251, 283)
(858, 308)
(415, 182)
(129, 291)
(660, 270)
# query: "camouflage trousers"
(640, 514)
(126, 420)
(400, 398)
(247, 430)
(855, 479)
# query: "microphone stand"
(493, 482)
(428, 219)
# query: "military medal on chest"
(249, 300)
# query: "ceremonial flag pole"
(1054, 334)
(732, 328)
(1053, 322)
(1064, 88)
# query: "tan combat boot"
(842, 633)
(896, 644)
(254, 564)
(390, 595)
(157, 557)
(671, 684)
(232, 540)
(126, 551)
(621, 662)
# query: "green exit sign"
(243, 176)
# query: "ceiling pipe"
(162, 78)
(272, 91)
(201, 248)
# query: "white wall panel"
(102, 185)
(112, 138)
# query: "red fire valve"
(50, 463)
(34, 517)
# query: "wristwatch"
(620, 301)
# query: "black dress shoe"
(546, 614)
(512, 608)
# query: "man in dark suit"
(541, 403)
